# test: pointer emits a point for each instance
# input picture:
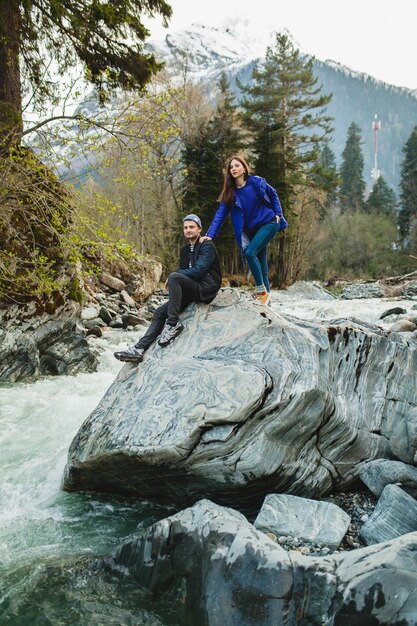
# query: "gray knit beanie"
(194, 218)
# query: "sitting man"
(197, 280)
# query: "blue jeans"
(256, 253)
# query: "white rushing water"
(40, 522)
(320, 306)
(38, 422)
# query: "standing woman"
(256, 217)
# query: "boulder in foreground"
(246, 402)
(218, 569)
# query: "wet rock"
(395, 514)
(116, 323)
(382, 472)
(403, 326)
(410, 290)
(246, 402)
(219, 569)
(47, 344)
(308, 520)
(396, 310)
(105, 315)
(129, 319)
(96, 322)
(94, 331)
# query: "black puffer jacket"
(205, 268)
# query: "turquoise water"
(47, 536)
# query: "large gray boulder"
(218, 569)
(246, 402)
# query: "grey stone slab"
(394, 515)
(308, 520)
(381, 472)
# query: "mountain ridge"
(357, 96)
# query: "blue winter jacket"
(265, 192)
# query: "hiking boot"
(263, 297)
(169, 333)
(131, 355)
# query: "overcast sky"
(378, 38)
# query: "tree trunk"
(11, 124)
(281, 262)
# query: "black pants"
(182, 291)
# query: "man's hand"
(205, 238)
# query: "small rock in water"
(394, 311)
(94, 331)
(403, 326)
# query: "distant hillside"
(357, 97)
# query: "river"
(46, 534)
(43, 529)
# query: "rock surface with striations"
(247, 402)
(218, 569)
(40, 345)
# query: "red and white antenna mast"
(376, 125)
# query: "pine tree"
(352, 189)
(382, 199)
(285, 111)
(408, 185)
(205, 155)
(327, 177)
(95, 32)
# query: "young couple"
(256, 217)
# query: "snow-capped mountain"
(202, 53)
(205, 52)
(208, 51)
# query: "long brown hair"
(228, 192)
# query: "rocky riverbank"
(36, 341)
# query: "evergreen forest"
(156, 149)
